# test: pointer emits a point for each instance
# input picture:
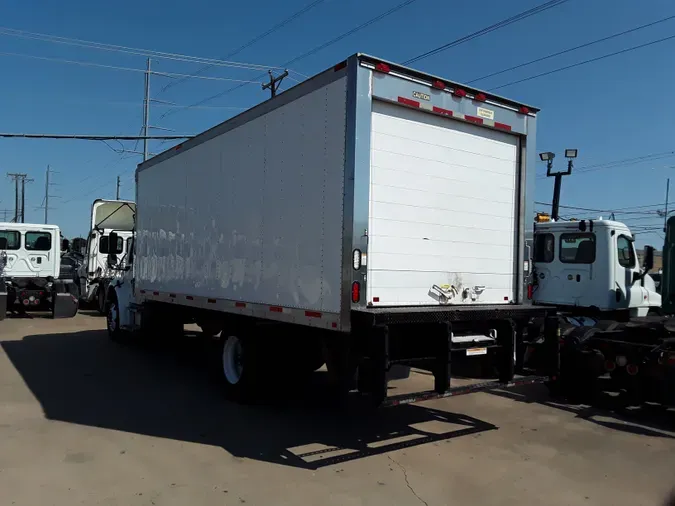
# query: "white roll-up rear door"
(443, 199)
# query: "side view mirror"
(65, 245)
(648, 263)
(3, 243)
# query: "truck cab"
(96, 271)
(30, 264)
(591, 264)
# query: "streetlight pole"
(548, 157)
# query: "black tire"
(100, 300)
(115, 333)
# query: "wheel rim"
(112, 317)
(233, 364)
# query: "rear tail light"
(530, 292)
(610, 365)
(632, 369)
(26, 302)
(356, 291)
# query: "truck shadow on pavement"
(84, 378)
(605, 410)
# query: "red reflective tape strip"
(155, 293)
(172, 295)
(239, 304)
(276, 309)
(189, 297)
(334, 325)
(211, 301)
(407, 101)
(473, 119)
(440, 110)
(503, 126)
(312, 314)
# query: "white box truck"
(372, 215)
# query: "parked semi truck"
(96, 271)
(615, 331)
(372, 215)
(30, 258)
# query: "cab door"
(628, 293)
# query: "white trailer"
(373, 212)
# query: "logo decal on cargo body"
(421, 96)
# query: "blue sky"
(614, 109)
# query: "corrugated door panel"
(442, 208)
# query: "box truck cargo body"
(369, 196)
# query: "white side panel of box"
(253, 215)
(442, 208)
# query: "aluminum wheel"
(233, 363)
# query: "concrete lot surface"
(87, 421)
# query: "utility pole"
(117, 193)
(274, 83)
(24, 180)
(47, 196)
(146, 111)
(20, 181)
(665, 214)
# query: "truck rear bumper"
(435, 314)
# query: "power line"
(567, 67)
(97, 137)
(569, 50)
(127, 69)
(255, 39)
(594, 210)
(316, 49)
(501, 24)
(130, 50)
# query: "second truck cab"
(591, 264)
(95, 273)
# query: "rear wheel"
(237, 362)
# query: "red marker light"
(480, 97)
(524, 110)
(382, 67)
(439, 85)
(459, 92)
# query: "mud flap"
(3, 304)
(64, 303)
